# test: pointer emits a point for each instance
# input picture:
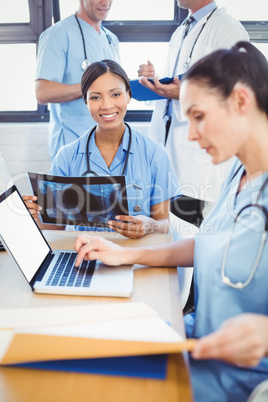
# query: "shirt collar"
(93, 146)
(125, 141)
(198, 15)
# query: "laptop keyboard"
(65, 273)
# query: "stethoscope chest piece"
(85, 64)
(137, 208)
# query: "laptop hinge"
(41, 272)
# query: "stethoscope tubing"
(89, 171)
(225, 279)
(137, 207)
(86, 62)
(187, 63)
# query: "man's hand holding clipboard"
(145, 89)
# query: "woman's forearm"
(175, 254)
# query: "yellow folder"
(75, 332)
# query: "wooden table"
(158, 287)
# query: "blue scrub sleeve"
(51, 59)
(62, 162)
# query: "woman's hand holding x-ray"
(32, 206)
(134, 227)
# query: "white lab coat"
(196, 174)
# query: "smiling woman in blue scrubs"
(225, 97)
(114, 149)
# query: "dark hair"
(98, 68)
(222, 69)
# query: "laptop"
(54, 272)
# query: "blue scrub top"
(60, 54)
(148, 168)
(215, 302)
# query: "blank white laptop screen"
(26, 243)
(49, 272)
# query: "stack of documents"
(37, 337)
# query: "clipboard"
(82, 201)
(142, 93)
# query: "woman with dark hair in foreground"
(225, 97)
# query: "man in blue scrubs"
(62, 51)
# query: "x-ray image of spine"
(82, 205)
(103, 202)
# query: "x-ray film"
(81, 201)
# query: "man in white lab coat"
(211, 29)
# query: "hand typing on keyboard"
(97, 248)
(65, 273)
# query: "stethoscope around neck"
(187, 63)
(137, 207)
(85, 63)
(225, 279)
(89, 171)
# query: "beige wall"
(24, 148)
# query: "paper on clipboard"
(142, 93)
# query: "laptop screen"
(20, 233)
